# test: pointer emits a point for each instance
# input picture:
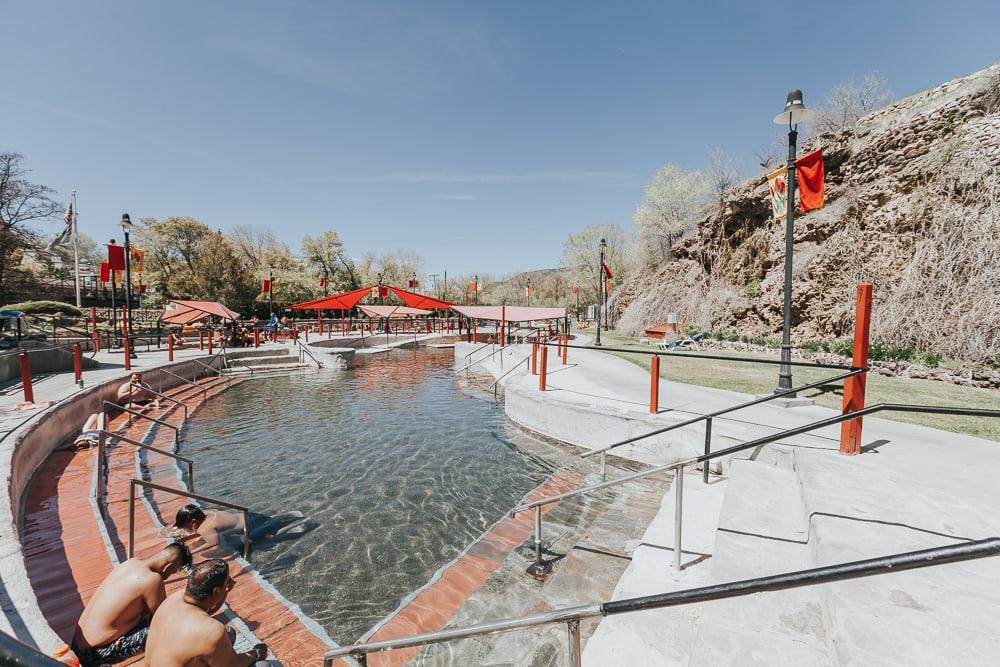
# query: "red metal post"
(319, 321)
(211, 335)
(77, 363)
(854, 386)
(256, 337)
(534, 358)
(654, 385)
(170, 347)
(201, 340)
(563, 340)
(544, 364)
(565, 349)
(128, 353)
(29, 394)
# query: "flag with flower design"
(777, 183)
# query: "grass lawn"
(759, 379)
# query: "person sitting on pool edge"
(183, 631)
(213, 526)
(177, 339)
(137, 393)
(115, 622)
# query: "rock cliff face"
(912, 201)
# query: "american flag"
(66, 234)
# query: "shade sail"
(343, 301)
(510, 313)
(414, 300)
(393, 311)
(186, 312)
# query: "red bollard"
(534, 358)
(29, 394)
(542, 370)
(565, 350)
(77, 363)
(256, 337)
(854, 386)
(97, 340)
(654, 385)
(128, 353)
(201, 340)
(307, 333)
(170, 348)
(210, 336)
(563, 342)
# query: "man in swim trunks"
(114, 624)
(91, 432)
(183, 631)
(213, 526)
(137, 393)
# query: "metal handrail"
(102, 465)
(238, 363)
(509, 371)
(708, 417)
(169, 398)
(572, 616)
(499, 348)
(135, 413)
(186, 494)
(214, 370)
(184, 380)
(303, 348)
(538, 567)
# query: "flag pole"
(76, 251)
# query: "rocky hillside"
(912, 204)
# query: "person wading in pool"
(115, 622)
(137, 393)
(213, 526)
(183, 631)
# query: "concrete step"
(270, 369)
(763, 530)
(270, 360)
(244, 353)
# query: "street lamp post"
(794, 113)
(114, 308)
(270, 291)
(527, 292)
(475, 281)
(600, 290)
(126, 227)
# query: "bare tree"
(722, 172)
(21, 202)
(670, 208)
(851, 100)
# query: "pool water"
(395, 466)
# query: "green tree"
(325, 255)
(21, 202)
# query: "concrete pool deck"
(792, 505)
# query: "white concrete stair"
(763, 530)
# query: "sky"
(477, 134)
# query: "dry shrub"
(948, 300)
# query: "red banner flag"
(105, 272)
(607, 270)
(809, 177)
(527, 291)
(116, 257)
(267, 286)
(322, 282)
(383, 292)
(473, 287)
(574, 289)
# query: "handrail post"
(131, 518)
(361, 657)
(604, 465)
(170, 348)
(246, 533)
(678, 515)
(654, 385)
(190, 465)
(708, 448)
(538, 569)
(543, 363)
(575, 651)
(102, 443)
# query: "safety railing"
(136, 413)
(203, 390)
(214, 370)
(186, 494)
(305, 351)
(102, 464)
(572, 616)
(540, 568)
(513, 368)
(168, 398)
(708, 417)
(235, 361)
(497, 348)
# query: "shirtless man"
(136, 393)
(183, 631)
(212, 526)
(115, 622)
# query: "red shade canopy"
(186, 312)
(414, 300)
(393, 311)
(510, 313)
(343, 301)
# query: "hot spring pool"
(396, 466)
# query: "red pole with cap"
(170, 347)
(128, 354)
(534, 358)
(654, 385)
(544, 364)
(77, 363)
(256, 337)
(854, 386)
(210, 337)
(29, 394)
(201, 340)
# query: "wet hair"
(180, 551)
(187, 514)
(206, 577)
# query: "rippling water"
(398, 469)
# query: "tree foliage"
(325, 256)
(849, 101)
(670, 208)
(580, 257)
(21, 202)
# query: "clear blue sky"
(476, 134)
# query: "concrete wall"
(21, 452)
(42, 361)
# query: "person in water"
(215, 526)
(183, 631)
(115, 623)
(137, 393)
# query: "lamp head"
(795, 110)
(604, 243)
(126, 223)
